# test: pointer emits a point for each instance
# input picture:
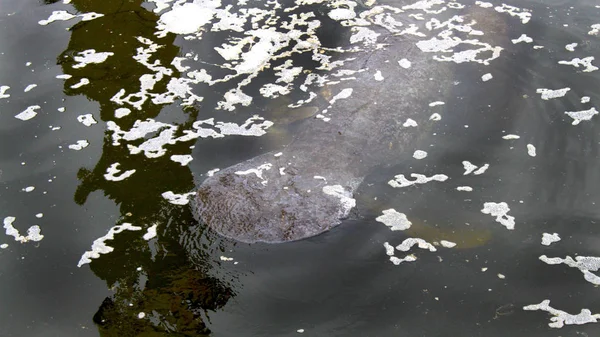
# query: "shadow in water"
(154, 279)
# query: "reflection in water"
(154, 280)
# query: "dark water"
(340, 283)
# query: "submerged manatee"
(308, 188)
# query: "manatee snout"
(264, 204)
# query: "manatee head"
(268, 199)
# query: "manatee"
(308, 188)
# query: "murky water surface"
(473, 126)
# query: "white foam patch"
(33, 233)
(465, 188)
(225, 258)
(500, 211)
(435, 117)
(481, 170)
(436, 103)
(57, 16)
(150, 233)
(90, 56)
(561, 318)
(531, 150)
(470, 168)
(484, 4)
(408, 258)
(511, 137)
(113, 170)
(29, 87)
(395, 220)
(87, 119)
(571, 46)
(90, 16)
(585, 99)
(122, 112)
(522, 38)
(486, 77)
(234, 97)
(99, 245)
(28, 113)
(404, 63)
(212, 172)
(81, 83)
(178, 199)
(182, 159)
(548, 239)
(3, 90)
(410, 123)
(585, 62)
(550, 94)
(446, 42)
(447, 244)
(583, 115)
(407, 244)
(389, 249)
(64, 16)
(401, 181)
(29, 189)
(419, 154)
(345, 93)
(585, 264)
(81, 144)
(346, 200)
(595, 29)
(378, 76)
(257, 171)
(154, 147)
(522, 14)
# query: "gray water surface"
(189, 281)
